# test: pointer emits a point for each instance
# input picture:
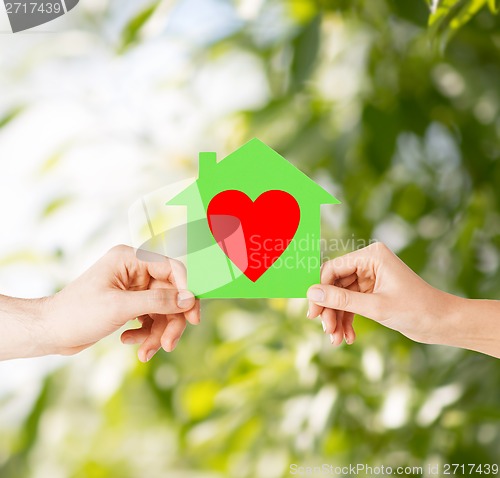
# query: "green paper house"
(253, 169)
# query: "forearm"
(475, 325)
(21, 328)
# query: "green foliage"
(447, 16)
(132, 30)
(10, 115)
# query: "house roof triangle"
(261, 157)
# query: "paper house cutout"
(253, 169)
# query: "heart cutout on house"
(253, 234)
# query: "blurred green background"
(392, 105)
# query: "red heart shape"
(253, 234)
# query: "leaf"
(456, 13)
(303, 10)
(492, 5)
(10, 115)
(450, 15)
(198, 398)
(466, 13)
(51, 163)
(306, 47)
(55, 205)
(445, 10)
(131, 32)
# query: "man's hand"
(117, 289)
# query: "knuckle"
(380, 247)
(326, 265)
(325, 270)
(119, 249)
(337, 262)
(178, 272)
(340, 298)
(341, 262)
(159, 298)
(177, 264)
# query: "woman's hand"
(375, 283)
(115, 290)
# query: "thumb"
(157, 301)
(366, 304)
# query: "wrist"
(474, 324)
(470, 324)
(439, 317)
(452, 326)
(22, 324)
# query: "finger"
(338, 335)
(360, 260)
(313, 310)
(173, 332)
(170, 270)
(339, 331)
(158, 266)
(178, 274)
(329, 320)
(136, 336)
(338, 298)
(340, 317)
(345, 282)
(193, 316)
(178, 277)
(156, 301)
(349, 334)
(153, 343)
(165, 269)
(342, 266)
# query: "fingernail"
(324, 326)
(348, 340)
(184, 299)
(150, 355)
(316, 295)
(332, 338)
